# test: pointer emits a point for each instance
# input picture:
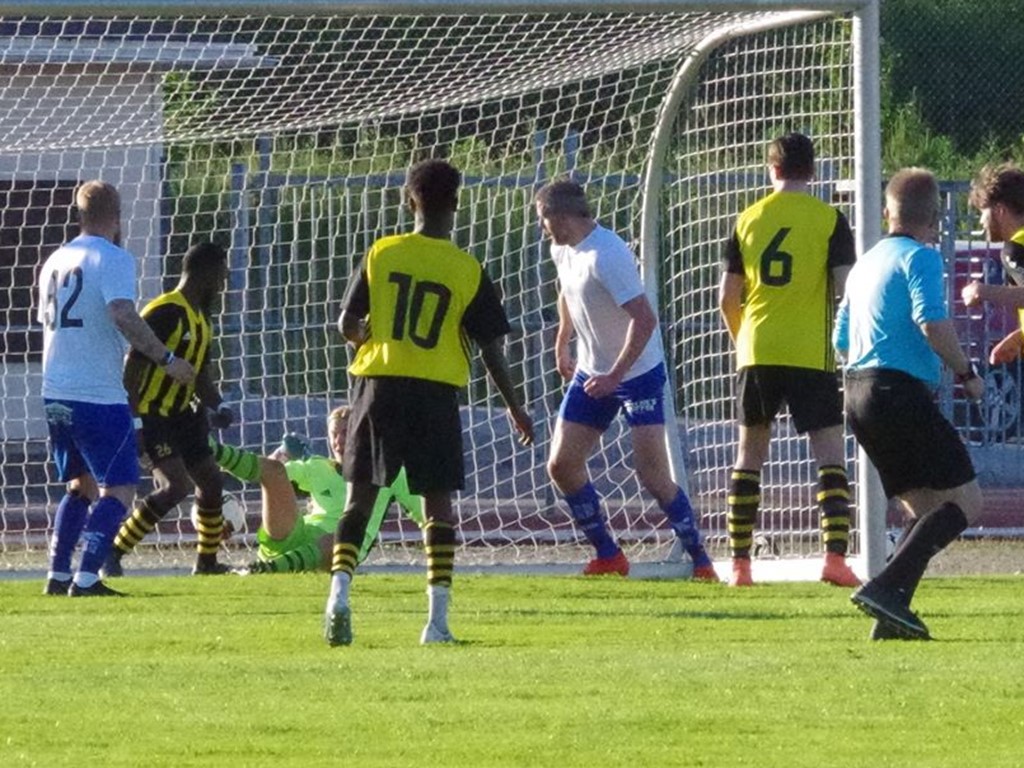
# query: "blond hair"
(99, 204)
(338, 415)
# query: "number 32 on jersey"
(59, 315)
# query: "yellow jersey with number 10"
(419, 290)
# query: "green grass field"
(552, 671)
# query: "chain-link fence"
(952, 97)
(952, 101)
(992, 428)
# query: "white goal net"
(286, 137)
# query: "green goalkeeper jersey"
(320, 478)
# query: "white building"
(73, 110)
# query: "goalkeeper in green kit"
(288, 539)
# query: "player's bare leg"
(280, 507)
(571, 446)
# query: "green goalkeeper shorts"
(302, 534)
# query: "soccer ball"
(234, 515)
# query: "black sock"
(908, 526)
(933, 533)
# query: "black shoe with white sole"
(889, 607)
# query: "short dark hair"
(203, 260)
(434, 185)
(563, 197)
(793, 155)
(999, 184)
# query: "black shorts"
(185, 434)
(398, 421)
(896, 421)
(812, 396)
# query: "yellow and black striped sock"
(210, 531)
(136, 526)
(345, 558)
(348, 538)
(439, 541)
(834, 500)
(744, 501)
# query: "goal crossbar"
(411, 7)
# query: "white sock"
(437, 601)
(340, 583)
(86, 580)
(58, 575)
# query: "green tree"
(956, 63)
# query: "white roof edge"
(163, 53)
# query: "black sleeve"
(163, 319)
(356, 300)
(732, 257)
(1012, 257)
(484, 319)
(842, 252)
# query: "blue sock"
(105, 519)
(67, 527)
(586, 511)
(680, 515)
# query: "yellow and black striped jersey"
(1012, 257)
(786, 246)
(187, 332)
(425, 298)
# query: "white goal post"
(283, 130)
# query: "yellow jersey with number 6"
(786, 246)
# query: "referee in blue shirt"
(894, 331)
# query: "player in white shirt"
(619, 366)
(87, 308)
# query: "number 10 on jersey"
(412, 303)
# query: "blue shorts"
(642, 397)
(98, 439)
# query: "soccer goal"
(283, 130)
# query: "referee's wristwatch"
(971, 373)
(167, 359)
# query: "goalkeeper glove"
(295, 445)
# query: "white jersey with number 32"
(83, 352)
